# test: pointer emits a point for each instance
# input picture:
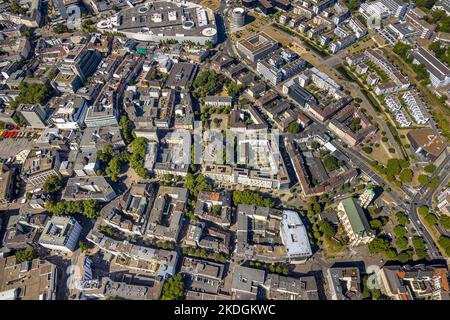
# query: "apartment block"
(257, 46)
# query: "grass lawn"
(373, 67)
(381, 154)
(212, 4)
(306, 42)
(333, 248)
(345, 74)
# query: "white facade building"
(415, 107)
(70, 114)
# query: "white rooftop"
(294, 235)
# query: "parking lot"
(12, 146)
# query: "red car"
(4, 133)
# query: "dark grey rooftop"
(247, 281)
(181, 75)
(433, 65)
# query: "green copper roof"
(356, 216)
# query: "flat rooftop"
(294, 235)
(258, 42)
(164, 18)
(181, 75)
(57, 230)
(32, 280)
(427, 140)
(433, 65)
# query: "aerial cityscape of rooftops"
(224, 150)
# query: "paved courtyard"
(10, 146)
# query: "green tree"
(402, 49)
(423, 210)
(353, 5)
(404, 164)
(126, 127)
(393, 167)
(421, 72)
(431, 219)
(375, 224)
(208, 82)
(441, 52)
(138, 149)
(355, 125)
(294, 127)
(31, 93)
(423, 179)
(403, 257)
(418, 243)
(378, 223)
(27, 254)
(196, 184)
(216, 209)
(60, 28)
(400, 231)
(402, 218)
(252, 197)
(445, 222)
(401, 243)
(109, 231)
(83, 246)
(427, 4)
(90, 208)
(17, 8)
(327, 228)
(406, 175)
(378, 245)
(430, 168)
(433, 183)
(317, 208)
(234, 90)
(421, 253)
(390, 254)
(106, 153)
(53, 184)
(330, 163)
(168, 177)
(315, 145)
(173, 288)
(444, 242)
(52, 74)
(114, 168)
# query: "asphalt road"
(425, 199)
